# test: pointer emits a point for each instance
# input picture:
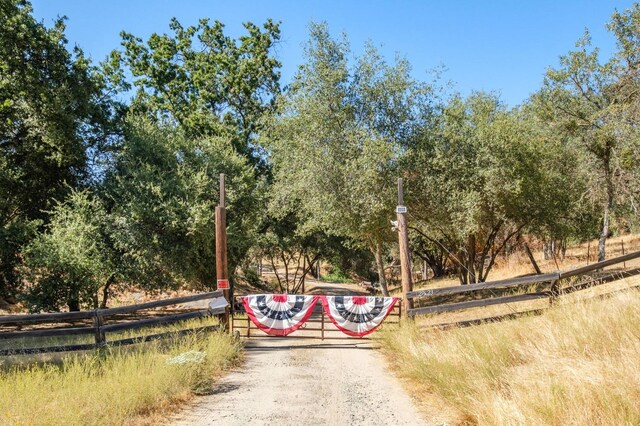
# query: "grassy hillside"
(576, 364)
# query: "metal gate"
(318, 326)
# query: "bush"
(69, 263)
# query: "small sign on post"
(401, 209)
(223, 284)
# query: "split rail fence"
(65, 325)
(99, 323)
(549, 286)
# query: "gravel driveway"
(289, 381)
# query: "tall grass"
(126, 385)
(576, 364)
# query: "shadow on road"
(336, 290)
(223, 388)
(287, 343)
(288, 347)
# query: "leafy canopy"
(52, 115)
(202, 80)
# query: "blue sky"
(502, 46)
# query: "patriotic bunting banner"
(357, 315)
(279, 314)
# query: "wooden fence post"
(98, 322)
(624, 264)
(554, 291)
(403, 240)
(222, 273)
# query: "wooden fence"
(66, 324)
(99, 322)
(549, 286)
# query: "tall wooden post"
(403, 240)
(222, 273)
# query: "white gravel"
(290, 381)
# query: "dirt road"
(288, 381)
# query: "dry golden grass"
(120, 386)
(577, 364)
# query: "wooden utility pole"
(403, 240)
(222, 272)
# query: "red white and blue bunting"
(357, 315)
(279, 314)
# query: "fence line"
(549, 280)
(99, 328)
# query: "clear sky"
(503, 46)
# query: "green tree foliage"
(337, 138)
(573, 213)
(283, 243)
(581, 102)
(67, 264)
(153, 224)
(478, 180)
(310, 172)
(52, 113)
(626, 62)
(161, 196)
(595, 103)
(204, 81)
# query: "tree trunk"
(603, 235)
(73, 303)
(607, 208)
(424, 269)
(433, 260)
(532, 259)
(304, 272)
(471, 258)
(377, 252)
(105, 291)
(463, 274)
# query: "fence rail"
(551, 282)
(513, 282)
(98, 327)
